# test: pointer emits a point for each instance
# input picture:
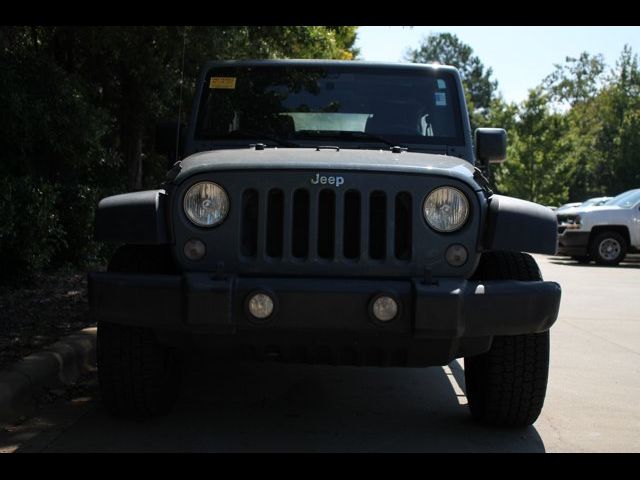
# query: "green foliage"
(577, 135)
(576, 81)
(536, 169)
(604, 130)
(30, 230)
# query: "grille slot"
(249, 226)
(351, 226)
(307, 225)
(300, 224)
(402, 227)
(275, 220)
(326, 223)
(377, 225)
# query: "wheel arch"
(621, 229)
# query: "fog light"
(384, 308)
(456, 255)
(260, 305)
(194, 249)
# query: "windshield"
(595, 201)
(400, 106)
(626, 199)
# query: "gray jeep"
(327, 212)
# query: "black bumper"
(436, 322)
(573, 243)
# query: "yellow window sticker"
(223, 82)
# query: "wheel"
(581, 258)
(608, 248)
(506, 386)
(138, 377)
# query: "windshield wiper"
(354, 135)
(250, 134)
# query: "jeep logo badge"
(327, 180)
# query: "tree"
(603, 123)
(536, 167)
(577, 81)
(447, 49)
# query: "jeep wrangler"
(328, 212)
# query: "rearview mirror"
(491, 145)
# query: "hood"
(590, 209)
(323, 160)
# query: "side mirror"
(491, 145)
(167, 134)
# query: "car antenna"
(184, 45)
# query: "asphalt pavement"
(591, 405)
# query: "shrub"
(30, 230)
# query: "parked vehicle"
(592, 202)
(596, 201)
(566, 206)
(603, 233)
(328, 212)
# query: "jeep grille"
(311, 225)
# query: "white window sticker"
(441, 99)
(441, 84)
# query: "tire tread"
(506, 386)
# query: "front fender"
(135, 218)
(520, 226)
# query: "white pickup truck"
(605, 233)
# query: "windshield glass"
(346, 103)
(594, 201)
(626, 199)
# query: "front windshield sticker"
(228, 83)
(441, 84)
(441, 99)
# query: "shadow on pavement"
(629, 262)
(301, 408)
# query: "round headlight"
(446, 209)
(206, 204)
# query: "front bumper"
(572, 242)
(444, 312)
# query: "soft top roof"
(331, 63)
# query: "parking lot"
(591, 406)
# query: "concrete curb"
(59, 364)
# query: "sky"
(519, 56)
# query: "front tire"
(506, 386)
(608, 248)
(138, 376)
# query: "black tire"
(608, 248)
(138, 377)
(584, 259)
(506, 386)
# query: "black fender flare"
(517, 225)
(136, 218)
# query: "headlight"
(446, 209)
(206, 204)
(574, 223)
